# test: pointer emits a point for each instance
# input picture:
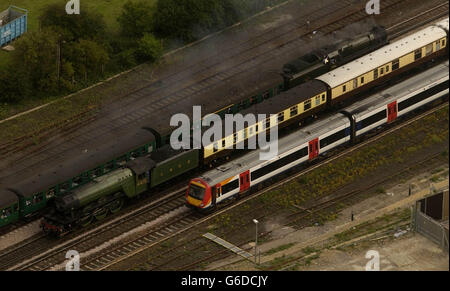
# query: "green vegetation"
(64, 53)
(279, 249)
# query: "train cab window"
(362, 80)
(5, 213)
(307, 105)
(37, 198)
(294, 110)
(375, 74)
(417, 54)
(323, 97)
(395, 64)
(429, 49)
(344, 88)
(281, 117)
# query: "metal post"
(256, 236)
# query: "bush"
(86, 25)
(136, 19)
(149, 48)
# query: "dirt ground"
(413, 252)
(409, 251)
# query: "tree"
(87, 58)
(187, 19)
(136, 19)
(86, 25)
(35, 59)
(149, 48)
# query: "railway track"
(126, 250)
(63, 141)
(432, 14)
(299, 220)
(42, 252)
(246, 58)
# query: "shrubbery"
(72, 51)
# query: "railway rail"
(64, 140)
(299, 219)
(43, 251)
(267, 48)
(45, 262)
(109, 257)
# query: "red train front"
(198, 194)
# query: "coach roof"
(384, 55)
(7, 198)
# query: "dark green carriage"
(9, 207)
(173, 166)
(37, 191)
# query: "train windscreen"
(196, 191)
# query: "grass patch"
(279, 249)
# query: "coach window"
(307, 105)
(387, 69)
(443, 43)
(362, 80)
(317, 100)
(395, 64)
(355, 83)
(323, 97)
(223, 143)
(417, 54)
(344, 88)
(381, 71)
(294, 110)
(438, 45)
(375, 73)
(281, 117)
(429, 49)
